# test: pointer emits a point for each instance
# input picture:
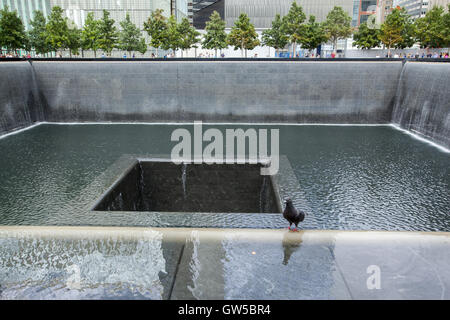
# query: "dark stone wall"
(19, 105)
(423, 102)
(416, 96)
(167, 187)
(330, 92)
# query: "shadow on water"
(291, 243)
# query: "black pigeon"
(292, 215)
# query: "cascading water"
(183, 178)
(423, 101)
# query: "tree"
(446, 27)
(108, 33)
(313, 34)
(188, 35)
(293, 24)
(215, 37)
(337, 26)
(275, 37)
(90, 35)
(172, 37)
(429, 29)
(156, 26)
(397, 31)
(142, 48)
(57, 31)
(37, 34)
(12, 31)
(74, 39)
(243, 35)
(366, 38)
(130, 38)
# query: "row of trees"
(400, 32)
(58, 33)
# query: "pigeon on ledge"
(292, 215)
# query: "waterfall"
(183, 178)
(422, 104)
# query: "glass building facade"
(26, 8)
(77, 10)
(139, 10)
(262, 12)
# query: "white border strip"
(413, 135)
(418, 137)
(223, 123)
(20, 130)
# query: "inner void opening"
(163, 186)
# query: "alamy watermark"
(238, 146)
(374, 280)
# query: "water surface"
(351, 177)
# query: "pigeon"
(292, 215)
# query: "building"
(364, 9)
(202, 10)
(262, 12)
(386, 8)
(442, 3)
(77, 10)
(26, 8)
(415, 8)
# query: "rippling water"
(351, 177)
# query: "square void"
(163, 186)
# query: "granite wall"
(333, 92)
(414, 96)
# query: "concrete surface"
(166, 263)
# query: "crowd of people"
(434, 55)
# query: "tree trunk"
(335, 46)
(294, 47)
(215, 52)
(246, 53)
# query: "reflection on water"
(291, 243)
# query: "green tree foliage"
(142, 46)
(275, 37)
(446, 28)
(337, 26)
(90, 35)
(57, 31)
(397, 31)
(215, 37)
(37, 34)
(172, 37)
(130, 38)
(188, 35)
(108, 33)
(12, 31)
(429, 29)
(313, 34)
(366, 38)
(243, 35)
(74, 39)
(293, 24)
(155, 27)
